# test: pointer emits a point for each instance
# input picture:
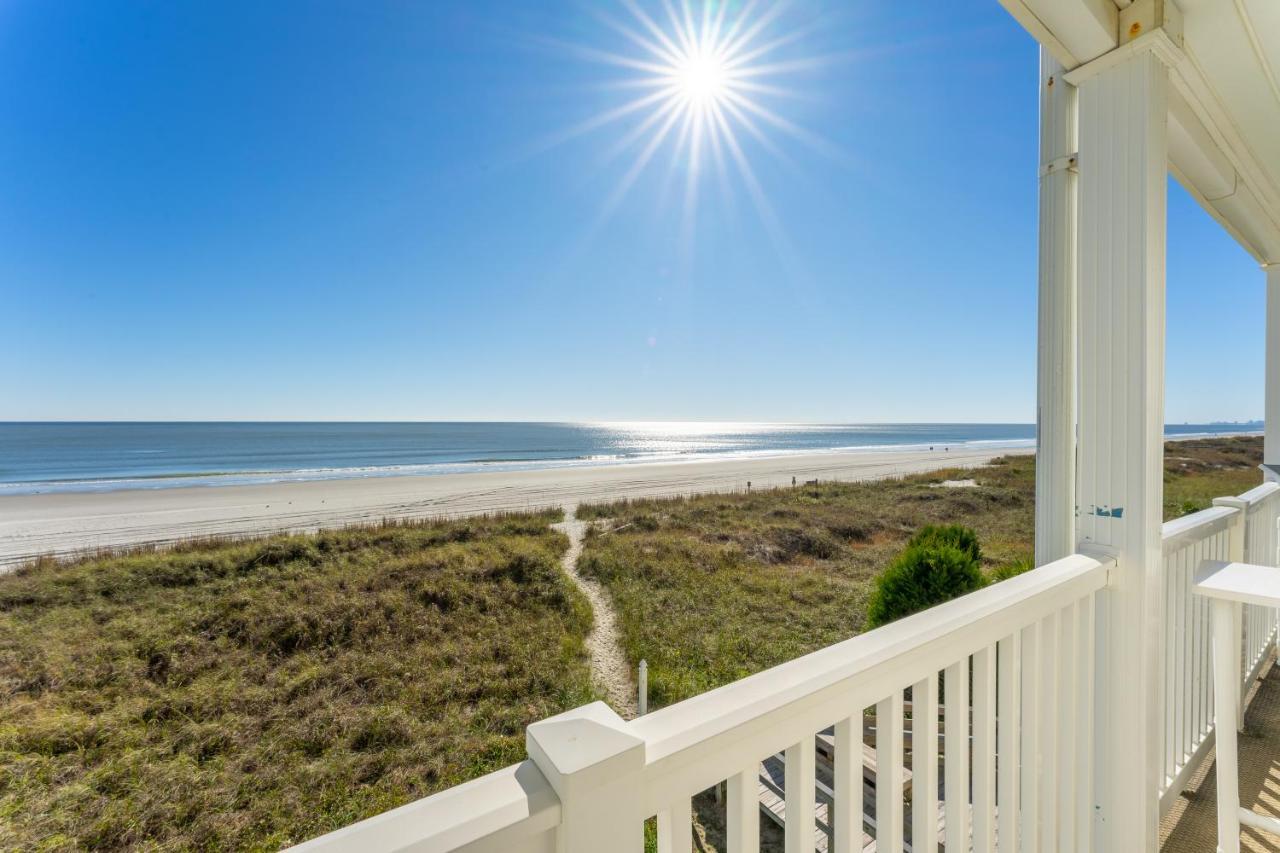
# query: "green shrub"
(1191, 505)
(927, 572)
(956, 535)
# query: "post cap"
(584, 747)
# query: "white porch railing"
(1240, 529)
(1026, 645)
(1261, 547)
(1015, 762)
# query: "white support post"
(1235, 553)
(1271, 410)
(594, 765)
(1056, 351)
(1226, 698)
(1123, 162)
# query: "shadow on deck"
(1191, 825)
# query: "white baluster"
(889, 774)
(1046, 747)
(1028, 795)
(742, 811)
(956, 702)
(1065, 776)
(1008, 731)
(924, 765)
(984, 750)
(675, 827)
(1171, 638)
(1184, 644)
(847, 818)
(1084, 723)
(801, 778)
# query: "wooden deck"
(1191, 824)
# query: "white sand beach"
(70, 523)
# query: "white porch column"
(1056, 352)
(1271, 411)
(1123, 166)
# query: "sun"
(703, 81)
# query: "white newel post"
(594, 765)
(1236, 554)
(1056, 352)
(1121, 278)
(1271, 410)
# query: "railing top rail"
(499, 809)
(1197, 525)
(1258, 494)
(960, 626)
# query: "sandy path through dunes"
(609, 665)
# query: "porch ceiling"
(1224, 139)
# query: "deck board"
(772, 792)
(1191, 824)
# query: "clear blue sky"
(372, 210)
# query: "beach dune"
(64, 524)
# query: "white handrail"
(1196, 526)
(898, 653)
(512, 809)
(1261, 493)
(720, 735)
(697, 743)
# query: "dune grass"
(247, 695)
(713, 588)
(1198, 470)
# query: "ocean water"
(80, 456)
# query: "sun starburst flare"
(701, 73)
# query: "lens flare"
(703, 71)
